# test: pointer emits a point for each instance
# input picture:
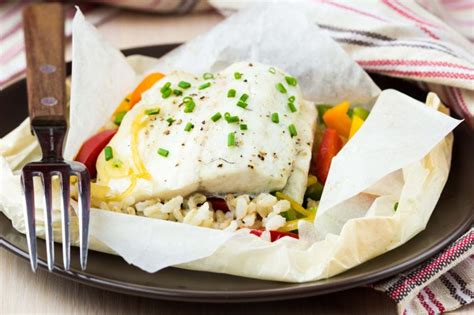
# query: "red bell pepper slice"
(275, 235)
(91, 149)
(330, 146)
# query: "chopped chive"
(189, 107)
(231, 119)
(163, 152)
(231, 139)
(109, 154)
(292, 130)
(291, 99)
(166, 93)
(281, 88)
(184, 84)
(292, 107)
(395, 206)
(272, 70)
(242, 104)
(237, 75)
(170, 121)
(244, 97)
(165, 87)
(291, 81)
(216, 117)
(243, 127)
(208, 76)
(231, 93)
(188, 127)
(275, 118)
(177, 92)
(119, 117)
(152, 111)
(205, 85)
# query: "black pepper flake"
(201, 129)
(275, 156)
(250, 166)
(202, 97)
(177, 164)
(182, 144)
(245, 80)
(220, 165)
(250, 65)
(167, 132)
(241, 156)
(203, 122)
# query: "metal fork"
(44, 42)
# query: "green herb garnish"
(231, 93)
(243, 127)
(184, 84)
(292, 107)
(188, 127)
(237, 75)
(242, 104)
(281, 88)
(216, 117)
(292, 130)
(205, 85)
(163, 152)
(291, 81)
(275, 118)
(208, 76)
(109, 154)
(231, 139)
(152, 111)
(119, 117)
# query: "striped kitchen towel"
(441, 284)
(12, 56)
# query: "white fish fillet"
(265, 158)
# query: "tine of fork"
(29, 193)
(65, 221)
(84, 207)
(48, 211)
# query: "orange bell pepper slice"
(147, 83)
(124, 105)
(336, 118)
(357, 122)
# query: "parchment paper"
(356, 222)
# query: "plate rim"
(260, 295)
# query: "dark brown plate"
(452, 216)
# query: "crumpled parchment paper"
(401, 154)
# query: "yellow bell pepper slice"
(336, 118)
(357, 122)
(294, 205)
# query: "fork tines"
(46, 172)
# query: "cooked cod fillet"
(264, 157)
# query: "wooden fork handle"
(44, 45)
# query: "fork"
(44, 43)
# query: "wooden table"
(21, 291)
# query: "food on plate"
(226, 150)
